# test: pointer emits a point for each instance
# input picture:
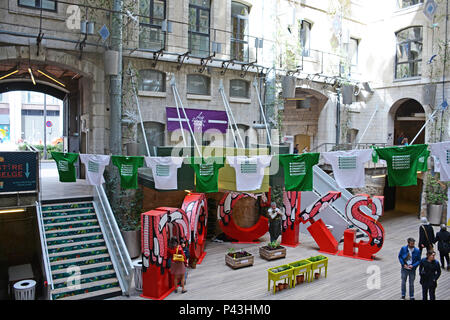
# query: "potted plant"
(273, 250)
(238, 259)
(436, 195)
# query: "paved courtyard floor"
(347, 278)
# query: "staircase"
(76, 249)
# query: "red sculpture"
(290, 226)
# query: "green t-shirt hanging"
(298, 172)
(207, 173)
(128, 170)
(65, 164)
(402, 163)
(422, 166)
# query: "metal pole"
(423, 127)
(367, 127)
(178, 111)
(443, 72)
(140, 115)
(338, 116)
(45, 126)
(262, 111)
(228, 116)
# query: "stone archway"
(84, 89)
(407, 116)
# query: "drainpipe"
(115, 81)
(443, 73)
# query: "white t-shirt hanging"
(95, 166)
(348, 166)
(441, 150)
(249, 171)
(165, 171)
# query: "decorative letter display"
(318, 230)
(196, 209)
(230, 228)
(375, 231)
(290, 226)
(157, 227)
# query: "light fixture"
(32, 77)
(380, 176)
(51, 78)
(9, 74)
(12, 210)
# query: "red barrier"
(230, 228)
(196, 208)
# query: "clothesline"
(348, 167)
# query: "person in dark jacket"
(443, 240)
(426, 235)
(409, 258)
(187, 254)
(429, 271)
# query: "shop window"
(239, 35)
(152, 14)
(152, 80)
(49, 5)
(408, 59)
(239, 88)
(198, 84)
(199, 25)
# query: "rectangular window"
(239, 88)
(408, 3)
(239, 35)
(408, 59)
(199, 25)
(198, 84)
(49, 5)
(152, 80)
(152, 14)
(305, 37)
(353, 47)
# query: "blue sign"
(104, 32)
(18, 171)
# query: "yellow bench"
(285, 275)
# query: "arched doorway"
(406, 118)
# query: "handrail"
(48, 272)
(118, 250)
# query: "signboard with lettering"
(18, 171)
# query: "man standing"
(409, 257)
(426, 235)
(429, 272)
(275, 215)
(296, 149)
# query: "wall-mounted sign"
(18, 171)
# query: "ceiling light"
(51, 78)
(12, 210)
(7, 75)
(32, 77)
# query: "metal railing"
(45, 258)
(116, 246)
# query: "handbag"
(178, 257)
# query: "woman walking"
(178, 267)
(426, 235)
(443, 240)
(429, 271)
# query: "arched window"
(152, 80)
(408, 59)
(239, 88)
(198, 84)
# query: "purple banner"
(200, 120)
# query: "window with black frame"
(49, 5)
(408, 3)
(239, 35)
(239, 88)
(199, 23)
(151, 16)
(408, 59)
(152, 80)
(305, 37)
(353, 48)
(198, 84)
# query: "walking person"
(178, 267)
(296, 149)
(426, 235)
(409, 257)
(275, 215)
(443, 240)
(429, 271)
(185, 247)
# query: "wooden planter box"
(239, 262)
(272, 254)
